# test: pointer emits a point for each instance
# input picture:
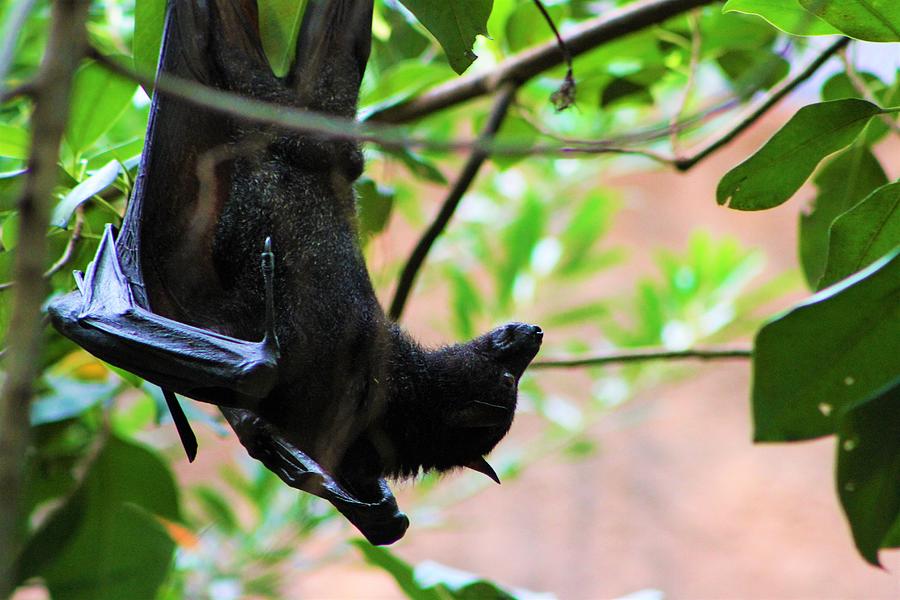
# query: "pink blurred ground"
(676, 498)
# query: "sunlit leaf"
(455, 25)
(98, 99)
(825, 356)
(66, 398)
(279, 25)
(83, 192)
(786, 15)
(780, 167)
(863, 234)
(149, 18)
(870, 20)
(14, 142)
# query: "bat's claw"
(268, 269)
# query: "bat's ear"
(217, 31)
(482, 466)
(332, 51)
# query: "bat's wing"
(149, 300)
(372, 508)
(104, 318)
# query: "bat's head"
(460, 403)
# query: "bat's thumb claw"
(267, 247)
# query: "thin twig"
(643, 355)
(534, 61)
(467, 176)
(65, 47)
(69, 251)
(761, 108)
(564, 97)
(860, 86)
(674, 130)
(24, 89)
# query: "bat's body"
(313, 378)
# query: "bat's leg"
(182, 425)
(270, 340)
(375, 513)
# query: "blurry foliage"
(103, 514)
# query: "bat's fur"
(353, 391)
(386, 405)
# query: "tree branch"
(642, 355)
(775, 96)
(65, 48)
(534, 61)
(466, 177)
(15, 22)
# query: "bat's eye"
(509, 381)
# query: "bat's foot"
(268, 269)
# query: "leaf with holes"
(827, 355)
(868, 470)
(455, 25)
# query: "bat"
(238, 232)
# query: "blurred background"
(636, 480)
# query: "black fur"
(352, 392)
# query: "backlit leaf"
(870, 20)
(455, 25)
(786, 15)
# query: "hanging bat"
(239, 232)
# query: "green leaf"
(98, 99)
(103, 542)
(779, 168)
(870, 20)
(217, 509)
(868, 470)
(827, 355)
(843, 181)
(149, 19)
(401, 571)
(279, 25)
(466, 303)
(67, 398)
(519, 241)
(418, 165)
(400, 82)
(83, 192)
(526, 27)
(430, 580)
(863, 234)
(14, 142)
(786, 15)
(375, 204)
(455, 25)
